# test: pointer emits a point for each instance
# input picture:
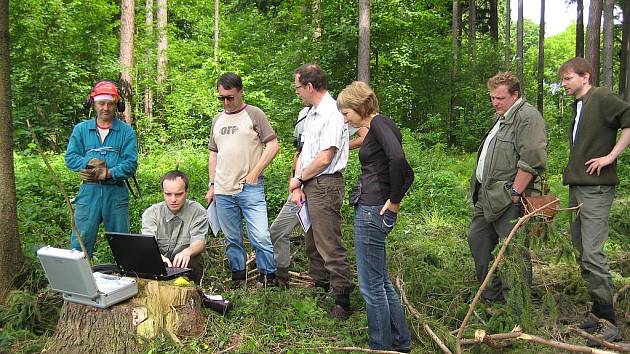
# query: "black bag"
(355, 194)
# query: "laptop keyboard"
(174, 270)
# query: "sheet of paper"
(302, 215)
(213, 219)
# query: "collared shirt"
(175, 232)
(489, 138)
(119, 149)
(325, 128)
(577, 119)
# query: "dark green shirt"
(603, 114)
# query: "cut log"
(159, 309)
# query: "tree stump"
(158, 309)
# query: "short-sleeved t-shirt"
(238, 140)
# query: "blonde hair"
(359, 97)
(512, 82)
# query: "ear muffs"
(107, 87)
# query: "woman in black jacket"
(385, 177)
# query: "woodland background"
(428, 61)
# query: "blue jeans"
(387, 327)
(249, 203)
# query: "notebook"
(139, 255)
(69, 273)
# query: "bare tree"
(593, 38)
(609, 6)
(456, 30)
(519, 45)
(127, 29)
(162, 46)
(472, 30)
(148, 92)
(541, 58)
(363, 65)
(162, 55)
(624, 65)
(216, 31)
(10, 247)
(579, 29)
(508, 19)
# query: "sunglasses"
(223, 98)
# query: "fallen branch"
(522, 220)
(55, 178)
(416, 314)
(618, 347)
(354, 349)
(482, 337)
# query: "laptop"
(69, 273)
(139, 255)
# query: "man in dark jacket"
(592, 176)
(511, 159)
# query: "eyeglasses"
(223, 98)
(297, 87)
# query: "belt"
(108, 183)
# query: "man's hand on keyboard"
(182, 258)
(166, 261)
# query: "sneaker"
(339, 313)
(606, 331)
(589, 324)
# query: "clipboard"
(303, 217)
(213, 219)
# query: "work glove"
(96, 171)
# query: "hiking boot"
(339, 313)
(606, 331)
(589, 323)
(266, 281)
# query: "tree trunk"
(494, 31)
(624, 65)
(579, 29)
(609, 6)
(508, 20)
(216, 31)
(494, 22)
(364, 42)
(472, 30)
(316, 24)
(158, 309)
(127, 29)
(10, 248)
(541, 58)
(593, 38)
(519, 46)
(162, 57)
(454, 112)
(148, 92)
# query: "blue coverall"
(106, 201)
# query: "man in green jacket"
(510, 161)
(592, 176)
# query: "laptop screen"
(136, 253)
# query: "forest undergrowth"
(427, 250)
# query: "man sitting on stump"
(180, 225)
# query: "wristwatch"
(515, 193)
(210, 184)
(299, 178)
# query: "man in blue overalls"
(104, 151)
